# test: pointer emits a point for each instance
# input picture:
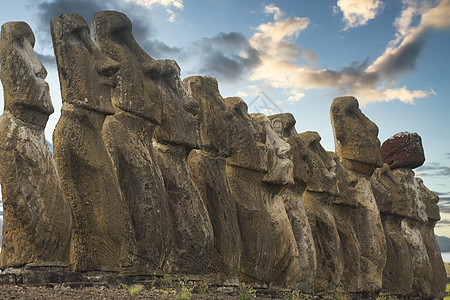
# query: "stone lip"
(403, 150)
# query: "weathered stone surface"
(283, 124)
(245, 179)
(438, 280)
(286, 269)
(403, 150)
(128, 138)
(209, 174)
(212, 115)
(398, 273)
(411, 203)
(208, 166)
(355, 136)
(101, 224)
(422, 268)
(280, 169)
(430, 199)
(321, 165)
(135, 92)
(319, 194)
(36, 217)
(370, 235)
(194, 237)
(247, 151)
(344, 209)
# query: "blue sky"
(296, 56)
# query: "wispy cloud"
(168, 4)
(227, 56)
(272, 9)
(137, 11)
(357, 13)
(290, 67)
(433, 169)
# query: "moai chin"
(101, 222)
(37, 222)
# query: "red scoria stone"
(403, 150)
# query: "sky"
(296, 56)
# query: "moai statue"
(101, 222)
(355, 136)
(37, 222)
(358, 149)
(318, 197)
(284, 126)
(208, 166)
(398, 273)
(246, 168)
(439, 275)
(280, 174)
(173, 141)
(128, 138)
(409, 212)
(344, 209)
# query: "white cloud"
(281, 66)
(241, 94)
(358, 12)
(168, 4)
(276, 11)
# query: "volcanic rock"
(36, 216)
(246, 168)
(317, 199)
(101, 223)
(355, 136)
(208, 166)
(283, 124)
(403, 150)
(285, 272)
(137, 102)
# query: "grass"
(448, 292)
(246, 292)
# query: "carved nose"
(107, 67)
(283, 148)
(191, 105)
(41, 72)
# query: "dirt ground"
(62, 292)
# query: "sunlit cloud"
(358, 12)
(168, 4)
(272, 9)
(286, 65)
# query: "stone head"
(26, 93)
(179, 124)
(84, 71)
(136, 91)
(249, 150)
(430, 200)
(321, 164)
(280, 167)
(284, 125)
(355, 136)
(212, 116)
